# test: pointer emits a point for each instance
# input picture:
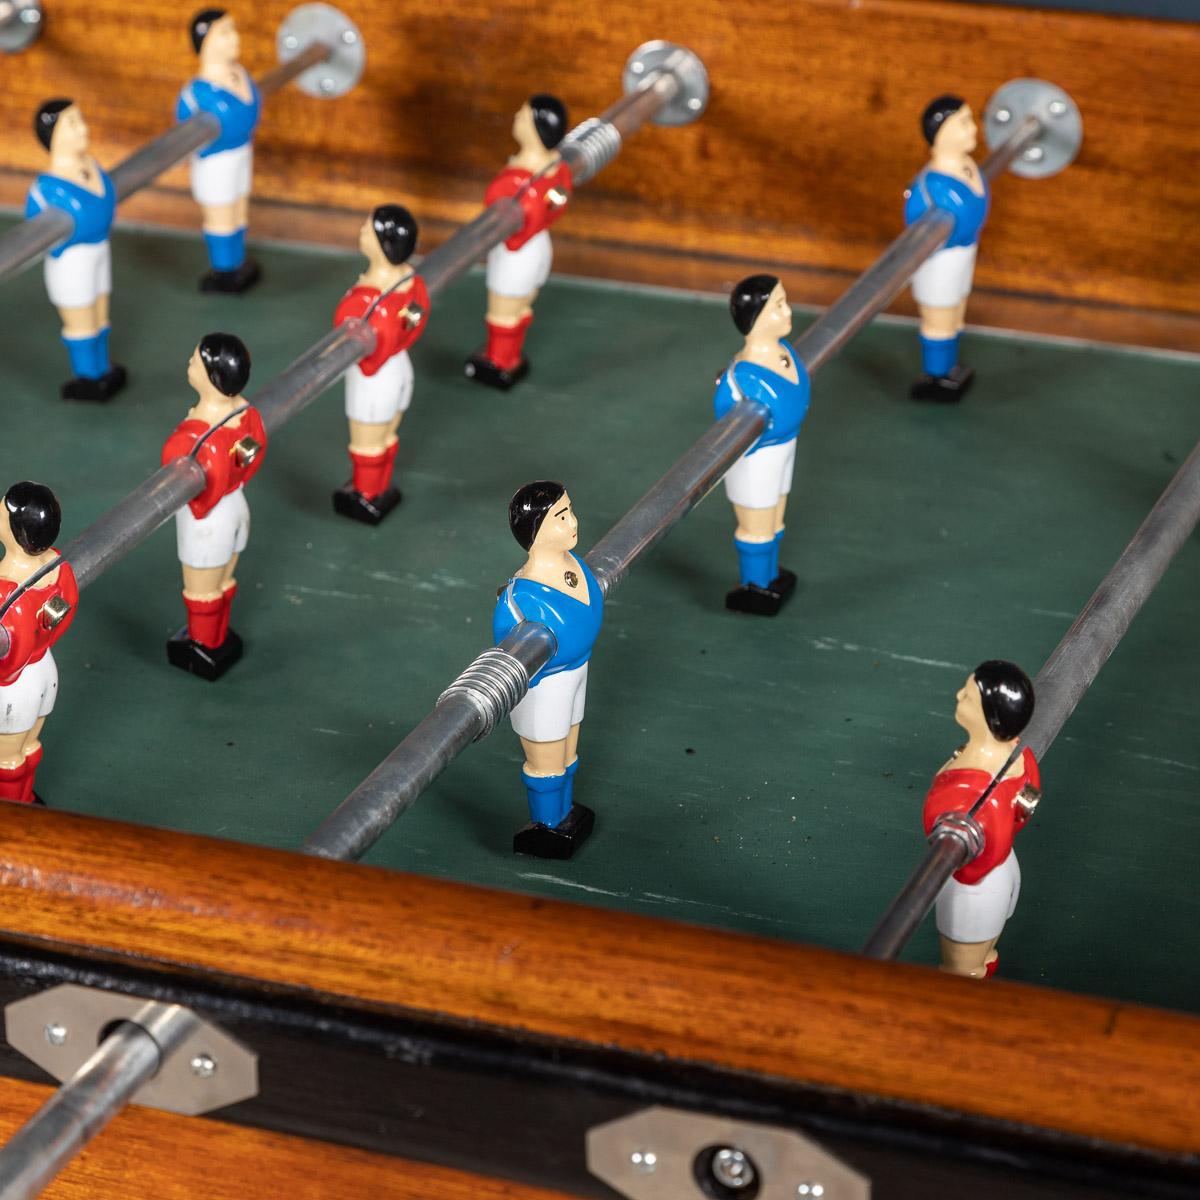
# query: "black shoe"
(96, 390)
(240, 279)
(200, 660)
(944, 389)
(560, 842)
(349, 503)
(38, 800)
(483, 370)
(759, 601)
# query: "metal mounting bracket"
(668, 1154)
(59, 1029)
(20, 24)
(323, 23)
(690, 100)
(1056, 146)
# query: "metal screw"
(56, 1034)
(1034, 154)
(1003, 116)
(810, 1189)
(349, 37)
(204, 1066)
(1058, 108)
(328, 85)
(31, 16)
(644, 1161)
(732, 1169)
(694, 104)
(638, 67)
(291, 41)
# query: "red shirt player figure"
(226, 436)
(540, 181)
(34, 614)
(379, 387)
(994, 707)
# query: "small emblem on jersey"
(571, 578)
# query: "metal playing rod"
(1060, 685)
(27, 242)
(362, 818)
(125, 1061)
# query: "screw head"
(349, 37)
(291, 41)
(328, 85)
(1057, 108)
(638, 67)
(1034, 154)
(732, 1168)
(31, 16)
(644, 1161)
(694, 104)
(1003, 116)
(204, 1066)
(810, 1189)
(56, 1034)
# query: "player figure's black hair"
(33, 516)
(1006, 693)
(226, 362)
(202, 22)
(46, 118)
(936, 112)
(528, 508)
(749, 298)
(396, 230)
(549, 118)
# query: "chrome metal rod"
(470, 243)
(1063, 680)
(126, 1060)
(27, 242)
(879, 285)
(462, 715)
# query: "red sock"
(370, 473)
(504, 343)
(226, 608)
(12, 782)
(204, 620)
(389, 465)
(32, 762)
(990, 968)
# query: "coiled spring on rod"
(494, 684)
(590, 147)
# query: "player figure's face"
(969, 713)
(70, 135)
(368, 243)
(959, 133)
(775, 320)
(222, 44)
(524, 131)
(197, 376)
(560, 529)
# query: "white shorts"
(944, 279)
(213, 540)
(552, 706)
(520, 272)
(79, 274)
(224, 177)
(376, 399)
(976, 912)
(31, 697)
(761, 479)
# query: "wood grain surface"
(146, 1154)
(1084, 1066)
(799, 163)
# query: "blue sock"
(545, 794)
(754, 561)
(102, 364)
(938, 355)
(569, 789)
(775, 555)
(85, 356)
(226, 251)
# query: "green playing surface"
(764, 775)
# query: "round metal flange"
(1062, 126)
(323, 23)
(692, 97)
(20, 24)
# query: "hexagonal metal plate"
(1056, 147)
(654, 1155)
(60, 1028)
(20, 24)
(322, 22)
(691, 99)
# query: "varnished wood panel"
(147, 1155)
(799, 163)
(1088, 1067)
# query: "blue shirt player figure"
(768, 370)
(79, 270)
(222, 172)
(557, 589)
(954, 183)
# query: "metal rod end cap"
(323, 23)
(691, 99)
(23, 26)
(1058, 143)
